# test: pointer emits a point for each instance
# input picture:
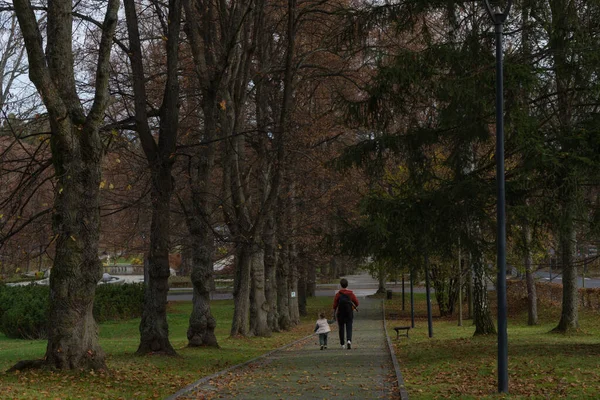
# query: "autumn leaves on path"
(304, 371)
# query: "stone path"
(304, 371)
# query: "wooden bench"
(401, 328)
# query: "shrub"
(24, 309)
(118, 302)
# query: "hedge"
(24, 309)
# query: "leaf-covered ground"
(133, 377)
(542, 365)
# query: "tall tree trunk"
(569, 318)
(381, 275)
(302, 290)
(532, 315)
(311, 279)
(212, 71)
(154, 328)
(560, 39)
(154, 331)
(271, 272)
(294, 272)
(187, 258)
(259, 304)
(283, 287)
(73, 333)
(294, 277)
(76, 155)
(333, 267)
(201, 329)
(482, 318)
(470, 290)
(241, 290)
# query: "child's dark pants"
(323, 339)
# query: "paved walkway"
(304, 371)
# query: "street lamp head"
(497, 15)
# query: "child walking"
(323, 329)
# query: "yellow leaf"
(1, 216)
(111, 186)
(223, 104)
(128, 187)
(60, 190)
(117, 161)
(102, 184)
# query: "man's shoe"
(349, 346)
(343, 347)
(322, 347)
(325, 347)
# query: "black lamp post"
(498, 17)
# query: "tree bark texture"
(154, 328)
(241, 291)
(532, 315)
(258, 323)
(569, 317)
(482, 318)
(381, 274)
(302, 290)
(73, 333)
(201, 330)
(187, 259)
(271, 272)
(283, 288)
(294, 277)
(311, 279)
(76, 155)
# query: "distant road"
(322, 291)
(364, 287)
(547, 276)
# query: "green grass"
(542, 365)
(142, 377)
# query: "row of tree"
(205, 121)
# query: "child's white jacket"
(322, 326)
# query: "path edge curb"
(204, 380)
(401, 387)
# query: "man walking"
(344, 304)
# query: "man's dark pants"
(345, 326)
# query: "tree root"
(27, 364)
